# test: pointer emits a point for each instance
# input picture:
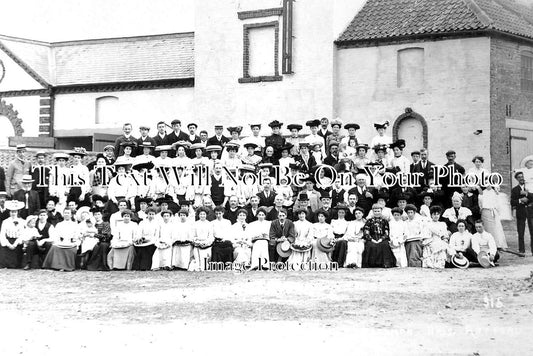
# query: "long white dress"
(162, 257)
(259, 233)
(489, 204)
(321, 230)
(397, 234)
(242, 243)
(303, 230)
(122, 251)
(181, 252)
(356, 244)
(202, 232)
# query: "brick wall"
(507, 101)
(453, 97)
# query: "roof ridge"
(479, 13)
(24, 40)
(122, 39)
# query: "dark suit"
(119, 150)
(331, 161)
(306, 166)
(264, 201)
(214, 141)
(34, 204)
(362, 201)
(524, 212)
(251, 217)
(140, 141)
(160, 141)
(2, 180)
(448, 191)
(324, 135)
(173, 138)
(276, 232)
(427, 172)
(45, 175)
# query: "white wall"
(77, 111)
(15, 77)
(454, 98)
(28, 110)
(304, 95)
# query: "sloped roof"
(114, 60)
(388, 19)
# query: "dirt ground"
(385, 312)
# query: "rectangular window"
(260, 52)
(527, 73)
(411, 68)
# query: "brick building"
(454, 73)
(463, 68)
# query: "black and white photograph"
(266, 177)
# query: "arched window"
(106, 110)
(410, 68)
(411, 127)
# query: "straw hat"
(14, 205)
(284, 249)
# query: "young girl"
(435, 245)
(88, 232)
(317, 152)
(301, 250)
(285, 159)
(356, 244)
(242, 242)
(162, 258)
(427, 200)
(397, 237)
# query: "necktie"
(27, 199)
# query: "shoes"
(27, 267)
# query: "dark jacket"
(34, 204)
(213, 141)
(264, 201)
(523, 211)
(277, 232)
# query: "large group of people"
(127, 208)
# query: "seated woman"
(242, 242)
(162, 258)
(460, 241)
(11, 236)
(222, 250)
(356, 243)
(458, 212)
(38, 248)
(340, 228)
(202, 234)
(182, 243)
(301, 251)
(62, 254)
(377, 251)
(98, 259)
(321, 229)
(122, 251)
(144, 244)
(435, 246)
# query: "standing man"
(176, 135)
(192, 137)
(16, 169)
(203, 137)
(218, 139)
(450, 156)
(161, 137)
(522, 201)
(276, 141)
(41, 177)
(29, 197)
(323, 131)
(144, 138)
(425, 167)
(125, 137)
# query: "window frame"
(526, 73)
(246, 78)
